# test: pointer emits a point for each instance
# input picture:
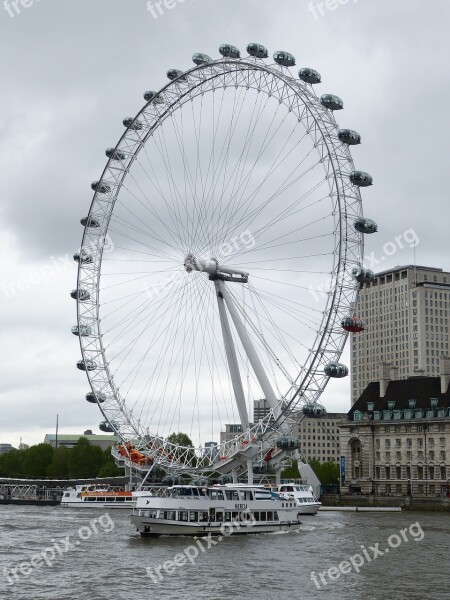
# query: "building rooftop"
(418, 388)
(409, 267)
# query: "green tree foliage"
(182, 439)
(291, 472)
(85, 460)
(43, 461)
(328, 472)
(59, 467)
(11, 464)
(109, 467)
(37, 459)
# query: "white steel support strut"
(232, 360)
(249, 349)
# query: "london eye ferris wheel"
(220, 260)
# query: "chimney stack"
(385, 377)
(444, 372)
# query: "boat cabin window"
(203, 516)
(183, 515)
(231, 495)
(216, 495)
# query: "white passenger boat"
(307, 503)
(93, 496)
(217, 510)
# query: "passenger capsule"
(363, 275)
(285, 59)
(257, 50)
(82, 330)
(336, 370)
(309, 75)
(94, 397)
(332, 102)
(101, 187)
(288, 443)
(229, 51)
(201, 59)
(171, 480)
(107, 427)
(364, 225)
(349, 137)
(352, 324)
(225, 478)
(361, 178)
(80, 294)
(86, 365)
(90, 222)
(154, 97)
(83, 258)
(313, 410)
(115, 154)
(133, 124)
(175, 74)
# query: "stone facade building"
(320, 437)
(396, 440)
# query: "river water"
(63, 554)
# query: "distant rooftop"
(408, 268)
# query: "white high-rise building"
(406, 314)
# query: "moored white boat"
(217, 510)
(92, 496)
(307, 503)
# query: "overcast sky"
(71, 70)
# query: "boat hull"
(154, 528)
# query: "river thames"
(68, 554)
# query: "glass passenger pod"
(101, 187)
(361, 178)
(349, 137)
(288, 442)
(175, 74)
(285, 59)
(106, 427)
(115, 154)
(83, 258)
(257, 50)
(336, 370)
(309, 75)
(363, 275)
(228, 51)
(94, 397)
(332, 102)
(86, 365)
(82, 330)
(313, 410)
(80, 294)
(133, 124)
(352, 324)
(153, 97)
(364, 225)
(201, 59)
(90, 222)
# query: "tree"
(291, 472)
(11, 464)
(85, 460)
(37, 459)
(109, 467)
(59, 467)
(181, 439)
(328, 472)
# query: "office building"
(406, 315)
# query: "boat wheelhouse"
(217, 510)
(307, 503)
